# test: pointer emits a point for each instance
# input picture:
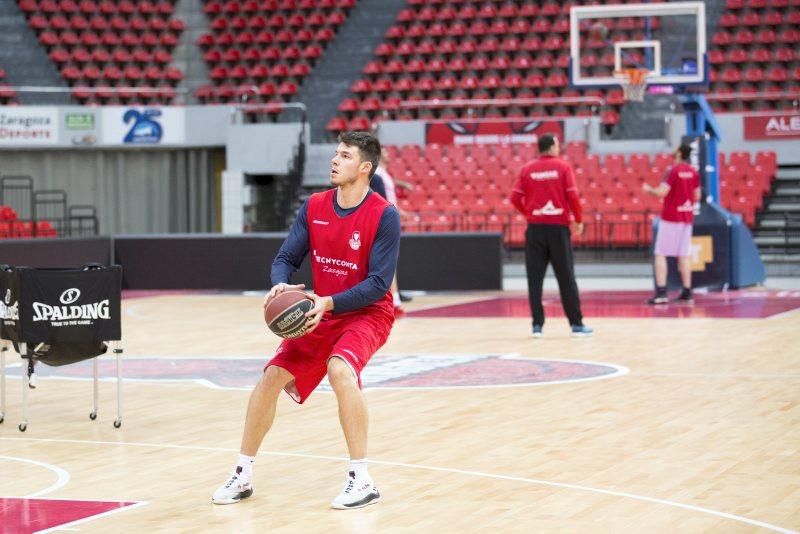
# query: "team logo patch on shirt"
(548, 209)
(355, 241)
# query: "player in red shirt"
(680, 191)
(546, 194)
(353, 235)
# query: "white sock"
(359, 467)
(396, 299)
(246, 463)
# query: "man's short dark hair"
(685, 152)
(369, 148)
(546, 142)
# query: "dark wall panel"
(449, 262)
(202, 261)
(432, 262)
(44, 253)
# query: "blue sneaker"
(537, 331)
(581, 331)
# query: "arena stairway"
(329, 82)
(185, 56)
(778, 228)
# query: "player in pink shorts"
(353, 235)
(680, 191)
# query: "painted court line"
(619, 370)
(783, 314)
(92, 518)
(63, 476)
(725, 376)
(63, 480)
(601, 491)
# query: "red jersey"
(683, 180)
(545, 192)
(340, 246)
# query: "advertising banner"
(9, 304)
(772, 126)
(28, 126)
(80, 126)
(491, 131)
(129, 126)
(63, 305)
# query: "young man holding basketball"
(353, 235)
(680, 191)
(545, 192)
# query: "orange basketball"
(285, 314)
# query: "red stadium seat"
(359, 123)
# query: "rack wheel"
(118, 423)
(23, 427)
(93, 416)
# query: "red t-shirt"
(545, 192)
(340, 246)
(683, 180)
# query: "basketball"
(285, 314)
(598, 31)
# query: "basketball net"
(633, 82)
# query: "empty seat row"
(127, 39)
(98, 23)
(26, 229)
(233, 7)
(760, 4)
(762, 54)
(104, 7)
(113, 56)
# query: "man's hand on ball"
(321, 305)
(280, 288)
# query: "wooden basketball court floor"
(665, 421)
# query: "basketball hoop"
(633, 82)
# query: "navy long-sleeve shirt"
(382, 259)
(376, 184)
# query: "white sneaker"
(234, 490)
(356, 493)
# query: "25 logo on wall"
(145, 128)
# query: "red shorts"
(354, 338)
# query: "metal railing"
(501, 102)
(246, 113)
(760, 95)
(791, 231)
(41, 213)
(82, 221)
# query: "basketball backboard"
(666, 39)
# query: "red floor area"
(24, 516)
(744, 304)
